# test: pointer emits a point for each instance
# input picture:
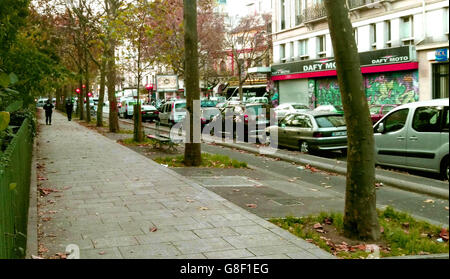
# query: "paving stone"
(150, 251)
(246, 241)
(107, 253)
(160, 236)
(215, 232)
(255, 229)
(202, 245)
(114, 241)
(231, 254)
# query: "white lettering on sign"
(331, 65)
(312, 68)
(390, 60)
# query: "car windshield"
(300, 107)
(375, 109)
(180, 107)
(329, 121)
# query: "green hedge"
(15, 169)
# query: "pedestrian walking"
(48, 112)
(69, 109)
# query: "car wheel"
(304, 147)
(445, 168)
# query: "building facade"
(402, 44)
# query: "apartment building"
(402, 44)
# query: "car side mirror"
(380, 128)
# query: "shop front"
(390, 77)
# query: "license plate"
(342, 133)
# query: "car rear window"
(180, 107)
(329, 121)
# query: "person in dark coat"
(48, 112)
(69, 109)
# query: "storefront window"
(440, 80)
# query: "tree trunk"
(137, 117)
(360, 218)
(81, 98)
(113, 110)
(112, 7)
(86, 72)
(101, 95)
(192, 152)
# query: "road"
(419, 205)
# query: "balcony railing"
(356, 4)
(314, 13)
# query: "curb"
(397, 183)
(420, 257)
(32, 235)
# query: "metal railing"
(14, 193)
(314, 13)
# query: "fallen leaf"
(446, 208)
(328, 221)
(154, 229)
(444, 234)
(314, 190)
(46, 219)
(62, 256)
(188, 200)
(203, 208)
(429, 201)
(318, 226)
(101, 253)
(405, 225)
(251, 205)
(236, 190)
(320, 231)
(36, 257)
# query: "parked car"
(378, 111)
(126, 107)
(253, 117)
(312, 131)
(172, 112)
(330, 108)
(41, 102)
(258, 100)
(287, 108)
(149, 113)
(415, 136)
(208, 110)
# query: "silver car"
(415, 136)
(311, 131)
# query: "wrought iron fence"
(14, 193)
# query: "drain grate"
(287, 202)
(226, 181)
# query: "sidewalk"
(110, 200)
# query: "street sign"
(441, 54)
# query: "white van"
(415, 136)
(126, 107)
(172, 112)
